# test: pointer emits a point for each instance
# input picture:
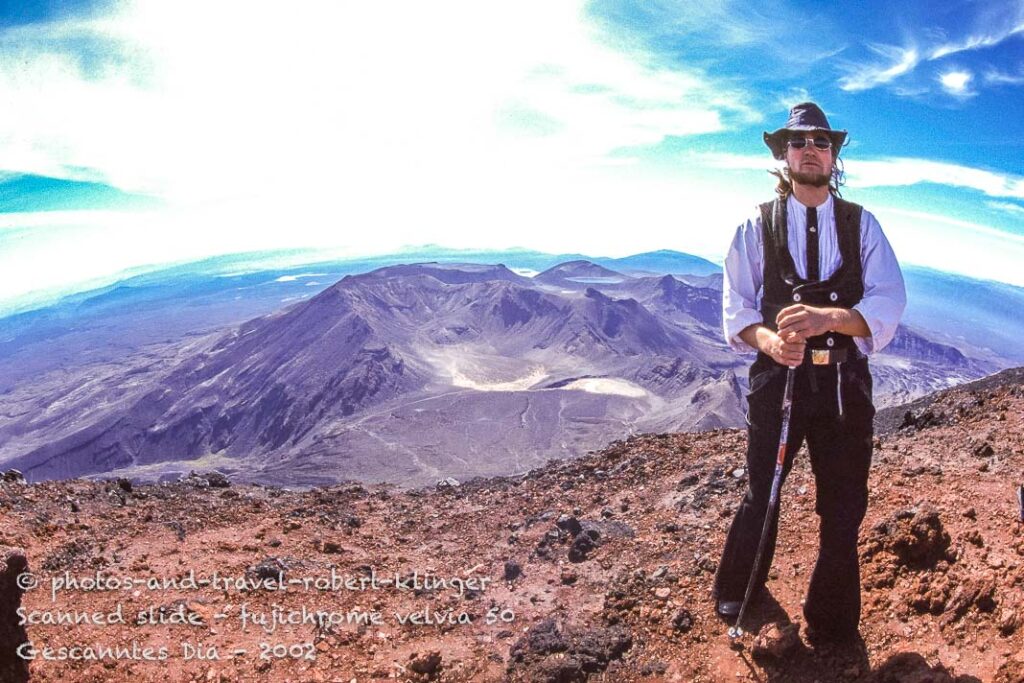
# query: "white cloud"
(953, 245)
(898, 61)
(1013, 209)
(726, 160)
(957, 82)
(794, 96)
(976, 42)
(362, 126)
(901, 61)
(889, 172)
(896, 172)
(1001, 78)
(206, 100)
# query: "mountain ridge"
(327, 376)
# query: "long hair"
(838, 178)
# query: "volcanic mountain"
(442, 352)
(413, 373)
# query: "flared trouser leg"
(764, 416)
(840, 452)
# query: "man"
(811, 282)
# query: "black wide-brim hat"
(803, 118)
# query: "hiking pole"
(736, 630)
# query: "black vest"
(783, 287)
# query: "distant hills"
(407, 373)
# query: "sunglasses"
(821, 142)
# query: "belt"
(828, 356)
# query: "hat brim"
(777, 141)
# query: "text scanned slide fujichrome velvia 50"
(273, 616)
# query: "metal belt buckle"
(819, 356)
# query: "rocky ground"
(595, 569)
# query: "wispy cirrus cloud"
(897, 172)
(727, 35)
(992, 28)
(997, 77)
(893, 172)
(976, 42)
(793, 96)
(896, 62)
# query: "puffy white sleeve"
(885, 295)
(742, 283)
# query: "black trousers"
(840, 445)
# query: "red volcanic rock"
(776, 641)
(938, 605)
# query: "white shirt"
(885, 295)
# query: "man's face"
(809, 165)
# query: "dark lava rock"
(13, 669)
(583, 545)
(570, 524)
(688, 480)
(178, 528)
(216, 480)
(332, 548)
(427, 665)
(269, 569)
(927, 418)
(13, 477)
(682, 620)
(554, 653)
(608, 527)
(512, 570)
(983, 450)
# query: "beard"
(812, 179)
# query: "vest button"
(830, 342)
(796, 297)
(833, 297)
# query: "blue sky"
(134, 134)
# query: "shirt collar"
(795, 205)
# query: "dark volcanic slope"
(259, 388)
